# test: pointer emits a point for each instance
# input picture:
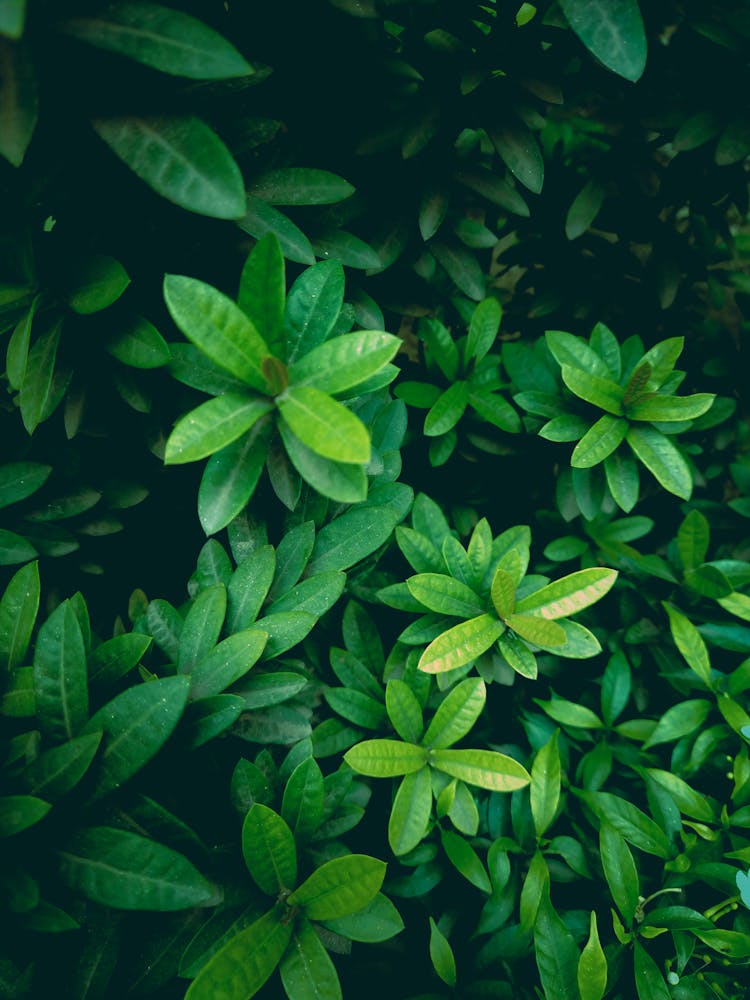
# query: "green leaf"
(249, 586)
(671, 408)
(569, 713)
(157, 36)
(688, 801)
(574, 352)
(129, 872)
(592, 966)
(348, 249)
(518, 655)
(444, 595)
(54, 772)
(181, 158)
(619, 871)
(496, 190)
(465, 860)
(545, 785)
(339, 887)
(231, 476)
(202, 627)
(495, 410)
(649, 982)
(447, 410)
(19, 812)
(386, 758)
(462, 268)
(192, 367)
(662, 459)
(629, 821)
(555, 951)
(594, 389)
(343, 362)
(441, 955)
(36, 398)
(570, 594)
(227, 663)
(15, 549)
(138, 343)
(378, 921)
(612, 30)
(503, 592)
(136, 724)
(213, 426)
(357, 707)
(261, 219)
(599, 441)
(404, 711)
(241, 966)
(269, 850)
(483, 768)
(262, 292)
(678, 721)
(306, 969)
(17, 354)
(218, 327)
(538, 630)
(317, 594)
(19, 100)
(483, 329)
(12, 18)
(520, 152)
(584, 209)
(461, 644)
(324, 425)
(410, 812)
(693, 540)
(339, 481)
(565, 427)
(96, 282)
(351, 537)
(303, 801)
(116, 657)
(457, 714)
(285, 629)
(300, 186)
(18, 610)
(60, 681)
(622, 479)
(441, 347)
(313, 307)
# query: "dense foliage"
(375, 484)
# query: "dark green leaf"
(248, 587)
(465, 859)
(37, 397)
(556, 952)
(227, 663)
(629, 821)
(595, 389)
(260, 219)
(136, 724)
(269, 850)
(181, 158)
(584, 209)
(262, 293)
(19, 100)
(306, 969)
(129, 872)
(351, 537)
(139, 344)
(461, 266)
(18, 610)
(404, 711)
(612, 30)
(60, 681)
(56, 771)
(598, 443)
(649, 982)
(231, 476)
(202, 627)
(340, 481)
(441, 955)
(339, 887)
(520, 151)
(19, 812)
(300, 186)
(312, 308)
(378, 921)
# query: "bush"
(438, 663)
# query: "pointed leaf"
(599, 441)
(262, 293)
(595, 389)
(612, 30)
(461, 644)
(483, 328)
(18, 610)
(128, 872)
(545, 785)
(324, 425)
(213, 426)
(339, 887)
(351, 537)
(385, 758)
(339, 481)
(483, 768)
(570, 594)
(404, 711)
(441, 955)
(556, 952)
(518, 655)
(447, 410)
(457, 714)
(227, 663)
(56, 771)
(520, 152)
(302, 805)
(503, 592)
(444, 595)
(592, 966)
(410, 812)
(181, 158)
(202, 627)
(307, 971)
(536, 629)
(662, 459)
(231, 476)
(301, 186)
(60, 681)
(345, 361)
(261, 219)
(19, 101)
(312, 308)
(218, 327)
(269, 850)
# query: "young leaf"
(465, 860)
(339, 481)
(312, 308)
(621, 471)
(181, 158)
(404, 711)
(483, 768)
(444, 595)
(339, 887)
(231, 476)
(306, 969)
(570, 594)
(343, 362)
(386, 758)
(410, 812)
(447, 409)
(612, 30)
(269, 850)
(136, 724)
(261, 219)
(157, 36)
(662, 459)
(128, 872)
(599, 441)
(457, 714)
(441, 955)
(325, 426)
(241, 966)
(218, 327)
(592, 966)
(18, 610)
(545, 785)
(60, 682)
(461, 644)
